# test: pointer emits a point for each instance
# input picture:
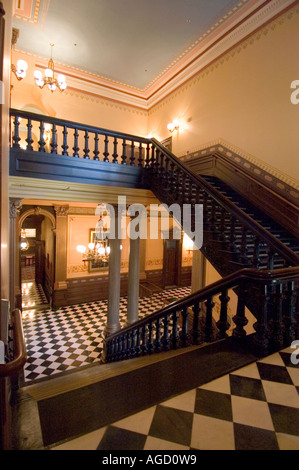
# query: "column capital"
(15, 206)
(61, 211)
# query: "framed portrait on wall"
(101, 264)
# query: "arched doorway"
(37, 259)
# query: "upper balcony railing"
(44, 134)
(46, 147)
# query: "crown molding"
(249, 17)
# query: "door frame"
(178, 274)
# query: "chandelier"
(98, 250)
(49, 78)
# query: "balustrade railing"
(194, 319)
(244, 238)
(38, 133)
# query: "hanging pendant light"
(49, 77)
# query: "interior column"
(113, 323)
(15, 285)
(133, 281)
(60, 284)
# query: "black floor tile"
(172, 425)
(285, 419)
(213, 404)
(121, 439)
(247, 387)
(274, 373)
(250, 438)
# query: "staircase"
(256, 257)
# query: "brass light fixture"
(49, 77)
(20, 70)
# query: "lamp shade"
(22, 65)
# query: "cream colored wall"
(74, 106)
(243, 98)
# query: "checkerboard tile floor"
(71, 337)
(253, 408)
(33, 295)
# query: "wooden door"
(171, 263)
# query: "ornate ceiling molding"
(246, 19)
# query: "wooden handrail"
(291, 257)
(229, 282)
(20, 354)
(76, 125)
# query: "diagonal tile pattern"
(253, 408)
(71, 337)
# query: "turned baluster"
(53, 144)
(76, 143)
(96, 151)
(133, 343)
(277, 324)
(223, 324)
(261, 339)
(175, 333)
(152, 160)
(148, 158)
(16, 134)
(165, 340)
(128, 345)
(184, 333)
(115, 154)
(140, 159)
(65, 145)
(240, 319)
(290, 296)
(86, 149)
(195, 327)
(138, 346)
(42, 142)
(209, 320)
(256, 253)
(158, 336)
(144, 348)
(150, 338)
(132, 158)
(29, 139)
(124, 155)
(106, 153)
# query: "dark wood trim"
(267, 192)
(66, 168)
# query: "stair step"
(62, 419)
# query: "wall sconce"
(173, 126)
(20, 70)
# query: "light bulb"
(38, 75)
(62, 86)
(22, 65)
(91, 246)
(101, 250)
(81, 249)
(176, 124)
(108, 250)
(47, 127)
(170, 127)
(49, 73)
(40, 83)
(61, 79)
(52, 87)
